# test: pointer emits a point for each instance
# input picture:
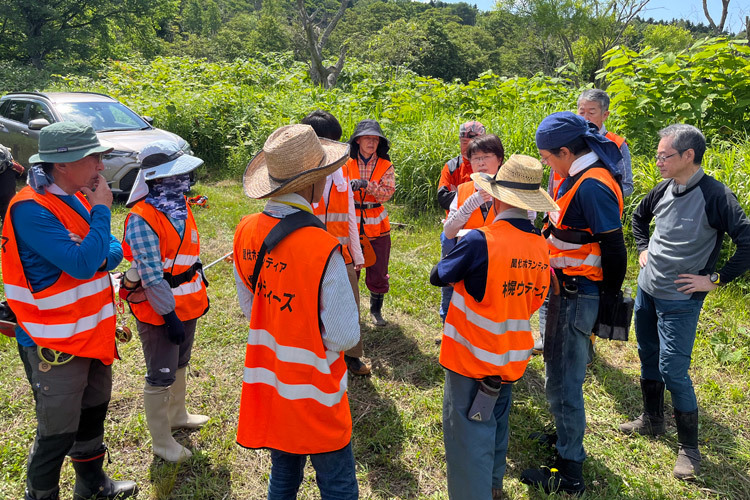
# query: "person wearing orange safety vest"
(455, 172)
(336, 210)
(373, 181)
(161, 241)
(56, 253)
(587, 252)
(292, 286)
(501, 274)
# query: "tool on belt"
(620, 318)
(484, 402)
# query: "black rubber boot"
(53, 495)
(688, 463)
(565, 476)
(93, 482)
(651, 421)
(376, 306)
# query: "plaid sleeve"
(144, 244)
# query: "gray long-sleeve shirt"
(689, 228)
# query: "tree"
(45, 27)
(724, 10)
(316, 41)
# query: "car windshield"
(103, 116)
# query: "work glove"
(17, 167)
(175, 328)
(358, 184)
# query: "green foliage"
(667, 37)
(706, 85)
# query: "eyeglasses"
(545, 159)
(662, 158)
(482, 159)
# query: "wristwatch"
(715, 278)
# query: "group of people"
(302, 307)
(486, 305)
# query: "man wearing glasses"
(455, 172)
(692, 211)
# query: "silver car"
(24, 114)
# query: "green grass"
(397, 412)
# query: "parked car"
(24, 114)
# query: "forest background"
(225, 73)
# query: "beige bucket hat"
(292, 158)
(518, 183)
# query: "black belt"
(360, 206)
(184, 277)
(575, 236)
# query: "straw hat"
(517, 183)
(292, 158)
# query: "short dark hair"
(686, 137)
(324, 123)
(489, 143)
(47, 167)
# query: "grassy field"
(397, 411)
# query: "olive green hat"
(65, 142)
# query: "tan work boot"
(156, 404)
(178, 415)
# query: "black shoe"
(93, 482)
(376, 308)
(565, 476)
(54, 495)
(356, 366)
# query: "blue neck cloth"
(168, 196)
(38, 178)
(562, 128)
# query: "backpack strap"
(284, 228)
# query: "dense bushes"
(226, 110)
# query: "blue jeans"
(334, 473)
(446, 245)
(665, 330)
(565, 372)
(474, 451)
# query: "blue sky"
(691, 10)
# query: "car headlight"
(119, 154)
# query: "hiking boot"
(565, 476)
(651, 421)
(688, 463)
(376, 307)
(356, 366)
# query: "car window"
(39, 110)
(102, 116)
(3, 106)
(15, 110)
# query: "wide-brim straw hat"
(518, 183)
(292, 158)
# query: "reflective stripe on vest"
(294, 389)
(376, 219)
(71, 315)
(334, 213)
(191, 299)
(573, 258)
(476, 220)
(493, 337)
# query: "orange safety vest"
(72, 315)
(493, 337)
(178, 255)
(334, 213)
(476, 220)
(557, 179)
(294, 390)
(579, 259)
(375, 215)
